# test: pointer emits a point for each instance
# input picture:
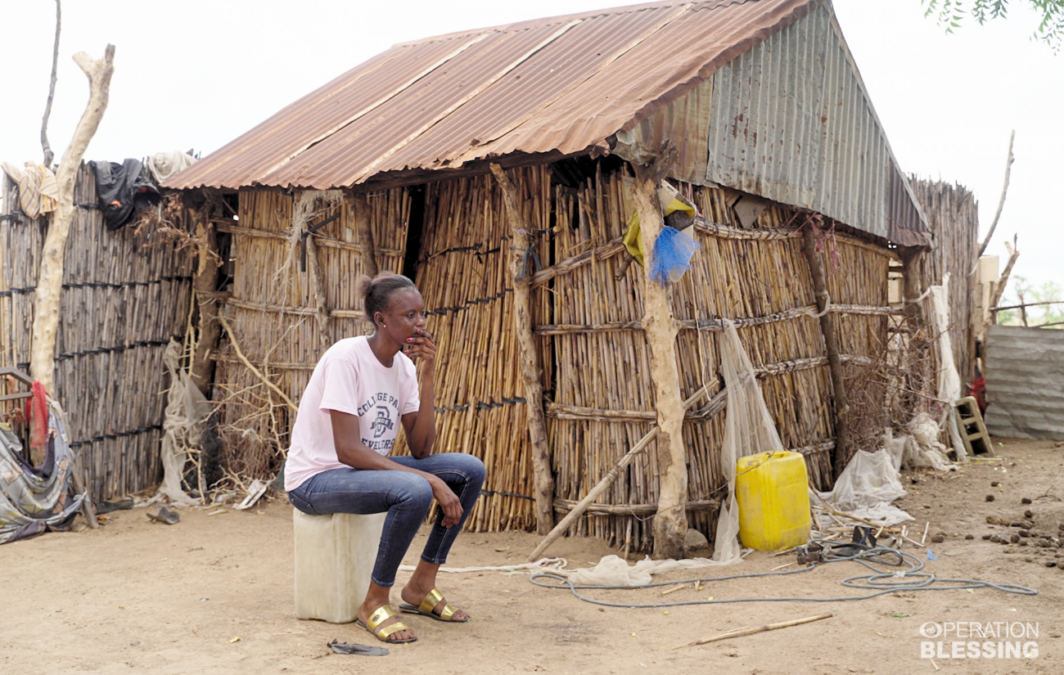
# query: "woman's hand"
(422, 348)
(448, 501)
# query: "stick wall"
(125, 294)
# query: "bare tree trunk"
(365, 236)
(48, 154)
(842, 450)
(50, 277)
(205, 283)
(1004, 280)
(1001, 202)
(661, 328)
(530, 369)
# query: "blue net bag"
(671, 256)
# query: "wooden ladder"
(973, 430)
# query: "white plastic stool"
(334, 560)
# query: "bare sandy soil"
(141, 597)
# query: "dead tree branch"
(50, 278)
(1001, 202)
(48, 154)
(1000, 291)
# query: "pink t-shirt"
(350, 379)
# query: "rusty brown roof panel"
(421, 105)
(529, 88)
(246, 160)
(357, 146)
(653, 73)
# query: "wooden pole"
(1004, 280)
(365, 235)
(661, 329)
(50, 278)
(204, 284)
(912, 288)
(520, 275)
(1001, 202)
(608, 479)
(827, 329)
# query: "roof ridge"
(564, 18)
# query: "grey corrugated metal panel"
(643, 63)
(654, 72)
(685, 122)
(791, 121)
(1025, 382)
(906, 224)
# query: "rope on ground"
(881, 582)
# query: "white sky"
(198, 73)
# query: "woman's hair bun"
(362, 286)
(376, 293)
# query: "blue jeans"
(404, 495)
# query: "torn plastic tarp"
(866, 488)
(35, 499)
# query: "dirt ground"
(140, 597)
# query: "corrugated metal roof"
(561, 85)
(1025, 382)
(791, 121)
(757, 97)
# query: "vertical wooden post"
(660, 329)
(365, 235)
(918, 372)
(530, 369)
(204, 284)
(827, 329)
(911, 286)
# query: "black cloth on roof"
(123, 188)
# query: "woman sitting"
(348, 421)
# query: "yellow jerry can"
(772, 490)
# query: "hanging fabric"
(38, 190)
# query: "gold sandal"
(378, 617)
(428, 604)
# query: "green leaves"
(951, 15)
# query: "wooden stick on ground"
(578, 510)
(750, 631)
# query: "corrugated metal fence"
(1025, 382)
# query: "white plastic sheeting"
(748, 430)
(186, 410)
(949, 382)
(866, 488)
